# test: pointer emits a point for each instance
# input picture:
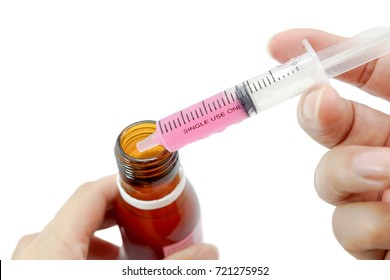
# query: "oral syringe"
(252, 96)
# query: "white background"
(73, 74)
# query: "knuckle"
(85, 186)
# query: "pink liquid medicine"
(200, 120)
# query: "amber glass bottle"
(157, 210)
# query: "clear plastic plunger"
(252, 96)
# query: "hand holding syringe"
(274, 86)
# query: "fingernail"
(373, 166)
(311, 105)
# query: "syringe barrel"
(264, 91)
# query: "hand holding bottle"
(355, 174)
(70, 235)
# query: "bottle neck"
(147, 175)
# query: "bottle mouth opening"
(148, 165)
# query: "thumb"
(196, 252)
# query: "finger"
(370, 77)
(82, 214)
(100, 249)
(196, 252)
(363, 229)
(287, 44)
(332, 120)
(353, 173)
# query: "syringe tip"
(149, 142)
